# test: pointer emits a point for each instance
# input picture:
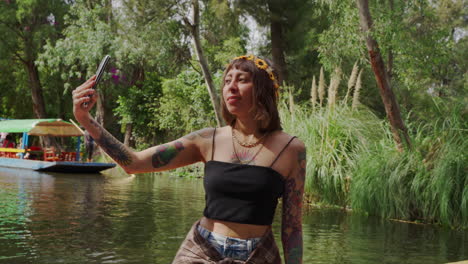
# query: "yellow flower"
(261, 64)
(241, 58)
(250, 57)
(272, 76)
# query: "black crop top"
(242, 193)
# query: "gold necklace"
(246, 145)
(235, 152)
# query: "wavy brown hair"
(265, 101)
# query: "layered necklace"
(246, 145)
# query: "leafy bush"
(138, 108)
(185, 105)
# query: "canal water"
(115, 218)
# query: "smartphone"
(101, 69)
(99, 73)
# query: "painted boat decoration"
(46, 159)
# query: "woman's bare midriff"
(236, 230)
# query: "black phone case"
(100, 70)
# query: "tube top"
(241, 193)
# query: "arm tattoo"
(204, 133)
(165, 153)
(292, 214)
(112, 146)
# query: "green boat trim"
(40, 127)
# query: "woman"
(249, 164)
(8, 142)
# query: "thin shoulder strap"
(213, 144)
(279, 154)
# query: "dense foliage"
(353, 163)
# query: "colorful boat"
(46, 159)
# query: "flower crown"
(262, 65)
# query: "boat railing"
(10, 152)
(46, 154)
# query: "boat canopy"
(40, 127)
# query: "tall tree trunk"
(38, 100)
(390, 50)
(195, 31)
(36, 90)
(128, 134)
(400, 134)
(277, 50)
(36, 87)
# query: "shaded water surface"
(111, 218)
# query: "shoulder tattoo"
(203, 133)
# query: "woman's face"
(237, 92)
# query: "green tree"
(184, 105)
(399, 131)
(270, 14)
(26, 26)
(416, 36)
(293, 31)
(194, 28)
(140, 36)
(138, 108)
(223, 35)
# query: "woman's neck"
(247, 127)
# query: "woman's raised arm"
(181, 152)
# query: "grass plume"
(357, 90)
(333, 88)
(321, 86)
(351, 81)
(313, 93)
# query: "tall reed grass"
(428, 183)
(332, 139)
(352, 159)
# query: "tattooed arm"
(181, 152)
(291, 228)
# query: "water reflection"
(114, 218)
(332, 236)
